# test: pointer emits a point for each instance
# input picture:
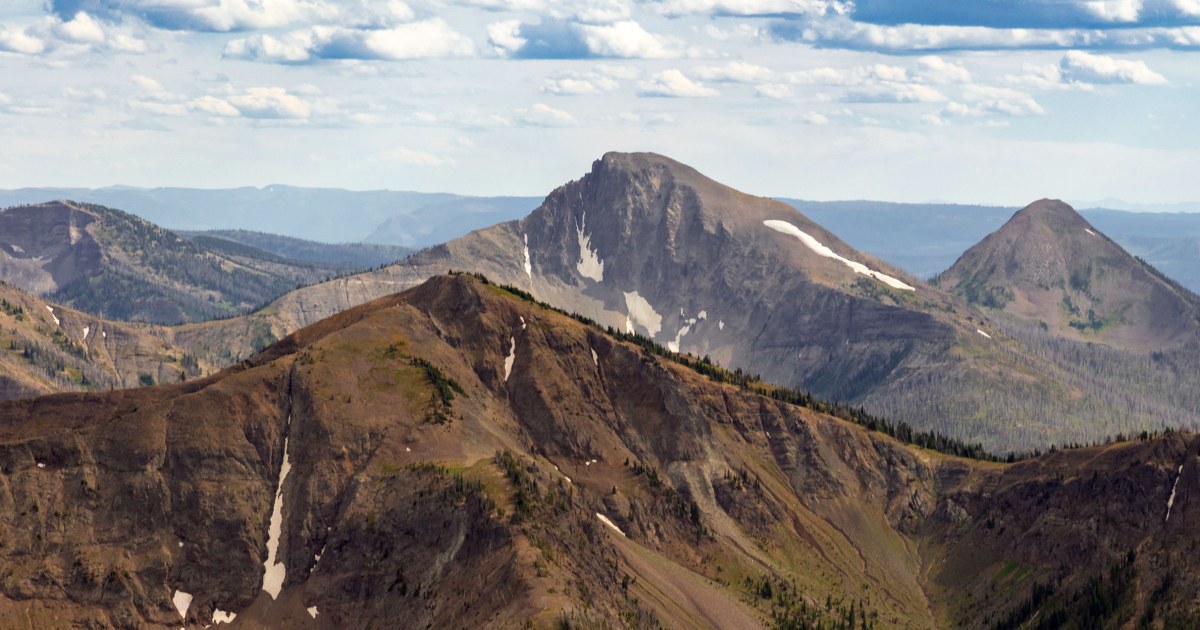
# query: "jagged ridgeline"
(117, 266)
(455, 456)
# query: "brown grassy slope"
(397, 488)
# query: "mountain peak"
(1048, 265)
(1053, 212)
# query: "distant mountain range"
(327, 215)
(923, 239)
(456, 456)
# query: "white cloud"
(732, 72)
(587, 11)
(773, 90)
(895, 93)
(628, 40)
(413, 157)
(82, 28)
(214, 106)
(938, 70)
(270, 102)
(673, 83)
(1123, 11)
(578, 84)
(505, 37)
(983, 100)
(1082, 67)
(542, 115)
(814, 118)
(416, 40)
(679, 8)
(21, 42)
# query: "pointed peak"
(1052, 211)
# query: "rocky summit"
(1050, 267)
(458, 456)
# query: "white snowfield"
(1089, 231)
(220, 616)
(589, 264)
(182, 602)
(275, 572)
(641, 314)
(604, 519)
(528, 262)
(1171, 499)
(511, 358)
(983, 333)
(595, 358)
(53, 316)
(822, 250)
(313, 612)
(86, 330)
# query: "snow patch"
(642, 314)
(103, 335)
(528, 263)
(313, 612)
(589, 265)
(52, 315)
(522, 322)
(17, 248)
(181, 544)
(1089, 231)
(673, 346)
(86, 330)
(275, 572)
(1171, 499)
(595, 359)
(220, 616)
(721, 324)
(702, 315)
(511, 358)
(983, 333)
(604, 519)
(822, 250)
(182, 601)
(41, 465)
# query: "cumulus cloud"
(842, 32)
(76, 34)
(1031, 13)
(679, 8)
(732, 72)
(938, 70)
(542, 115)
(414, 40)
(589, 11)
(990, 100)
(1082, 67)
(674, 84)
(773, 90)
(579, 84)
(241, 15)
(894, 93)
(562, 39)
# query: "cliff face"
(445, 456)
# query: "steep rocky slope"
(1048, 265)
(643, 243)
(455, 456)
(46, 348)
(118, 266)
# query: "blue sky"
(977, 101)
